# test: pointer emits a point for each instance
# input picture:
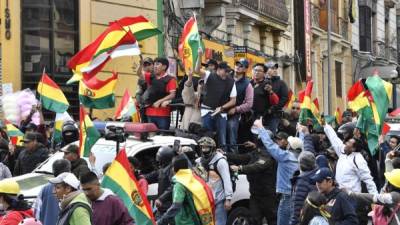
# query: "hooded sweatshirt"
(14, 217)
(80, 215)
(108, 209)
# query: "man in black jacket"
(163, 177)
(32, 155)
(339, 205)
(260, 169)
(79, 166)
(280, 88)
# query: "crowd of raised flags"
(369, 98)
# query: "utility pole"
(329, 80)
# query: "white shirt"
(350, 169)
(233, 94)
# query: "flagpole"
(41, 87)
(195, 20)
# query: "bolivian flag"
(120, 179)
(141, 27)
(61, 118)
(357, 97)
(201, 195)
(88, 135)
(127, 108)
(291, 99)
(98, 94)
(51, 96)
(110, 39)
(15, 135)
(338, 116)
(189, 44)
(306, 104)
(315, 110)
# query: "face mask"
(207, 154)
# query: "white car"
(145, 151)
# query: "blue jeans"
(284, 209)
(232, 132)
(162, 122)
(272, 123)
(220, 214)
(216, 123)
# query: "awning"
(385, 72)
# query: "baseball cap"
(295, 143)
(244, 62)
(322, 174)
(271, 64)
(30, 136)
(281, 135)
(148, 60)
(71, 149)
(68, 178)
(210, 62)
(223, 65)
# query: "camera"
(115, 133)
(268, 81)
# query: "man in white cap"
(74, 206)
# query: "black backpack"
(233, 175)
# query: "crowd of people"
(297, 173)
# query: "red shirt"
(170, 87)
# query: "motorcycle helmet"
(70, 132)
(164, 155)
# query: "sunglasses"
(147, 64)
(239, 65)
(296, 108)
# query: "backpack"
(378, 218)
(233, 175)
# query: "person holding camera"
(279, 87)
(264, 97)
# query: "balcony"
(274, 9)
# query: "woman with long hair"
(313, 212)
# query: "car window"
(32, 182)
(147, 159)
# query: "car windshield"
(32, 182)
(104, 154)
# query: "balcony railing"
(271, 8)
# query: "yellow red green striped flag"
(88, 134)
(201, 194)
(98, 94)
(189, 44)
(120, 179)
(51, 96)
(15, 135)
(306, 104)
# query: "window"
(49, 40)
(323, 16)
(338, 76)
(365, 28)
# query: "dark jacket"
(217, 90)
(28, 160)
(291, 128)
(79, 167)
(257, 165)
(302, 185)
(280, 88)
(341, 209)
(163, 177)
(261, 103)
